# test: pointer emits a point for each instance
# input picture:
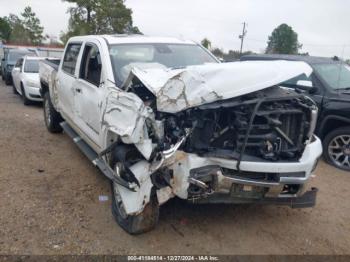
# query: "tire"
(26, 101)
(134, 224)
(336, 148)
(7, 80)
(14, 90)
(51, 116)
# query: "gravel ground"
(49, 204)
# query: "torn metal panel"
(125, 114)
(180, 89)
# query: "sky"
(322, 25)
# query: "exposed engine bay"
(271, 124)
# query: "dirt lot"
(49, 204)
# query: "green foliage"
(5, 29)
(206, 43)
(283, 40)
(25, 29)
(99, 17)
(230, 56)
(32, 26)
(235, 55)
(18, 35)
(219, 53)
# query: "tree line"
(283, 40)
(113, 17)
(24, 29)
(87, 17)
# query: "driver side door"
(90, 92)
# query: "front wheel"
(14, 90)
(133, 224)
(26, 101)
(336, 148)
(51, 116)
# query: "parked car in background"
(10, 60)
(161, 117)
(329, 87)
(25, 79)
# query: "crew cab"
(329, 87)
(161, 117)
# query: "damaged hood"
(180, 89)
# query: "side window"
(70, 58)
(19, 64)
(91, 65)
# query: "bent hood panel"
(179, 89)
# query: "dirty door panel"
(67, 80)
(90, 92)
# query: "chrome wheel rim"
(47, 112)
(119, 168)
(339, 151)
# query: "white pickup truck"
(161, 117)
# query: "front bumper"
(213, 180)
(308, 199)
(33, 93)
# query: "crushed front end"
(256, 148)
(208, 137)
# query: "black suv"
(329, 87)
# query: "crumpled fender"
(125, 115)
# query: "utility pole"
(244, 32)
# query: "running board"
(94, 157)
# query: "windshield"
(125, 56)
(337, 76)
(31, 66)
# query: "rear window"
(70, 58)
(14, 56)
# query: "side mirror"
(307, 86)
(305, 83)
(2, 60)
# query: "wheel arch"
(331, 123)
(44, 87)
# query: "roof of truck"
(134, 39)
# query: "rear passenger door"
(90, 91)
(66, 80)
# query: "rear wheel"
(51, 116)
(336, 148)
(7, 80)
(133, 224)
(14, 90)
